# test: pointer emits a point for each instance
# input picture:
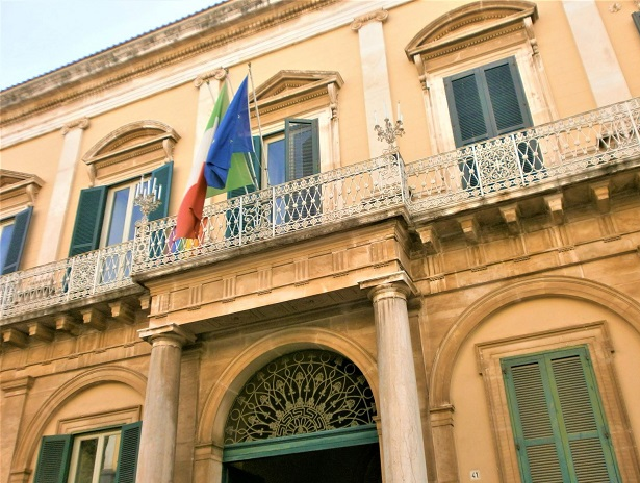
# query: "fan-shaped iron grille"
(298, 393)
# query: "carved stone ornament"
(300, 393)
(79, 124)
(218, 74)
(375, 16)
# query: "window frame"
(107, 220)
(55, 460)
(562, 433)
(75, 451)
(486, 101)
(595, 337)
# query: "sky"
(38, 36)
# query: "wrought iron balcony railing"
(553, 152)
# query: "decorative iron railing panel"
(298, 205)
(552, 152)
(74, 278)
(549, 152)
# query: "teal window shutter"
(558, 421)
(636, 19)
(88, 224)
(468, 109)
(509, 108)
(128, 459)
(302, 148)
(17, 241)
(162, 176)
(53, 460)
(486, 102)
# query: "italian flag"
(189, 222)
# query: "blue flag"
(232, 136)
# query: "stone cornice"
(115, 92)
(211, 28)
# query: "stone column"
(156, 456)
(375, 74)
(403, 456)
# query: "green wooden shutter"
(636, 19)
(53, 460)
(163, 176)
(18, 238)
(302, 148)
(509, 109)
(88, 224)
(128, 458)
(557, 419)
(467, 107)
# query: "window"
(487, 102)
(636, 19)
(121, 214)
(104, 456)
(13, 234)
(110, 209)
(558, 421)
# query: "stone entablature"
(329, 269)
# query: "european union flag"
(232, 136)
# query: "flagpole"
(263, 165)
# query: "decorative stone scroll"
(375, 16)
(301, 392)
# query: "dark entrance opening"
(353, 464)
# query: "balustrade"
(551, 152)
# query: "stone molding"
(512, 293)
(18, 190)
(82, 123)
(218, 74)
(33, 432)
(18, 386)
(116, 95)
(171, 334)
(380, 15)
(393, 285)
(224, 390)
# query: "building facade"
(434, 277)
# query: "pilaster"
(61, 193)
(375, 73)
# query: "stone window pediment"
(17, 190)
(470, 25)
(304, 89)
(129, 148)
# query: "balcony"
(512, 167)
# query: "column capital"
(218, 74)
(397, 284)
(82, 123)
(376, 16)
(171, 334)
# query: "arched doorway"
(305, 416)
